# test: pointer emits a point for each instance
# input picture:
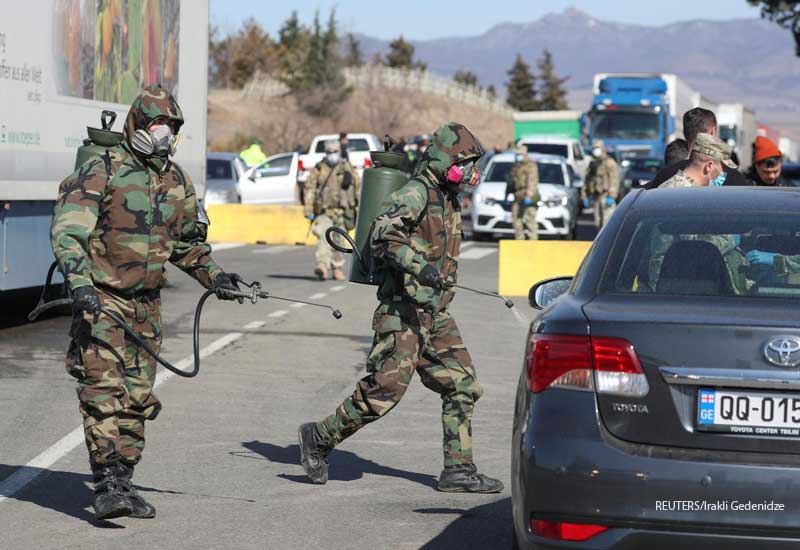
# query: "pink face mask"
(456, 174)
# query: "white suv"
(568, 148)
(558, 207)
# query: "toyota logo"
(783, 351)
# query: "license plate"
(749, 412)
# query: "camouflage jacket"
(323, 189)
(525, 181)
(120, 217)
(680, 179)
(602, 178)
(422, 223)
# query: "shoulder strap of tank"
(424, 210)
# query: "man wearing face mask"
(524, 185)
(709, 156)
(416, 241)
(331, 199)
(118, 219)
(602, 184)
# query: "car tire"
(239, 199)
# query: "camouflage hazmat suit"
(414, 330)
(332, 205)
(602, 182)
(524, 185)
(118, 219)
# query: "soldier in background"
(524, 184)
(331, 199)
(417, 240)
(602, 184)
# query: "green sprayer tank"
(388, 174)
(99, 139)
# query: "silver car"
(224, 172)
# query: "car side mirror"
(544, 292)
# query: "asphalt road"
(221, 463)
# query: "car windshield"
(706, 255)
(624, 125)
(548, 149)
(643, 165)
(353, 144)
(218, 169)
(549, 172)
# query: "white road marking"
(338, 288)
(477, 253)
(216, 247)
(272, 249)
(318, 296)
(279, 313)
(466, 245)
(25, 474)
(297, 306)
(254, 325)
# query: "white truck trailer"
(61, 63)
(737, 126)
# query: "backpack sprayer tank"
(99, 139)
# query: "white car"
(558, 207)
(569, 148)
(358, 148)
(274, 181)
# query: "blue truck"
(637, 115)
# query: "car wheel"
(239, 199)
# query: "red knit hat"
(765, 149)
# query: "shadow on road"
(484, 526)
(293, 277)
(344, 465)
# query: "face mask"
(159, 142)
(597, 152)
(463, 175)
(719, 180)
(332, 158)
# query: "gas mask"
(158, 143)
(467, 174)
(332, 158)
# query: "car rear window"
(353, 144)
(549, 172)
(706, 255)
(218, 169)
(548, 149)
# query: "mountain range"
(748, 61)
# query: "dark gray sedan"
(659, 403)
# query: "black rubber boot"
(313, 453)
(140, 508)
(464, 478)
(109, 502)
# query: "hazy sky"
(418, 19)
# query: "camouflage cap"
(332, 146)
(154, 102)
(713, 147)
(599, 143)
(452, 144)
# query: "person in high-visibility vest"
(253, 155)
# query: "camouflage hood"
(153, 102)
(451, 144)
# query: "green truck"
(565, 124)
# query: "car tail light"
(367, 163)
(299, 165)
(567, 361)
(565, 531)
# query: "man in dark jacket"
(767, 165)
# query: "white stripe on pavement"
(279, 313)
(297, 305)
(466, 245)
(317, 296)
(338, 288)
(254, 325)
(216, 247)
(272, 249)
(25, 474)
(476, 253)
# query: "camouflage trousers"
(115, 377)
(324, 254)
(523, 218)
(602, 213)
(407, 340)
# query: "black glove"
(347, 180)
(224, 283)
(429, 276)
(85, 300)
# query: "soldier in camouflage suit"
(331, 199)
(417, 241)
(524, 185)
(602, 184)
(118, 218)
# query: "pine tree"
(293, 40)
(552, 95)
(234, 60)
(401, 55)
(354, 56)
(785, 13)
(491, 91)
(468, 78)
(521, 86)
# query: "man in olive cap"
(707, 161)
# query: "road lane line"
(30, 471)
(466, 245)
(254, 325)
(272, 249)
(477, 253)
(297, 306)
(279, 313)
(338, 288)
(318, 296)
(216, 247)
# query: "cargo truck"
(62, 63)
(637, 115)
(563, 124)
(737, 125)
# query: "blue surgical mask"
(719, 180)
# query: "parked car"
(568, 148)
(358, 148)
(224, 172)
(638, 172)
(658, 405)
(558, 205)
(274, 181)
(791, 171)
